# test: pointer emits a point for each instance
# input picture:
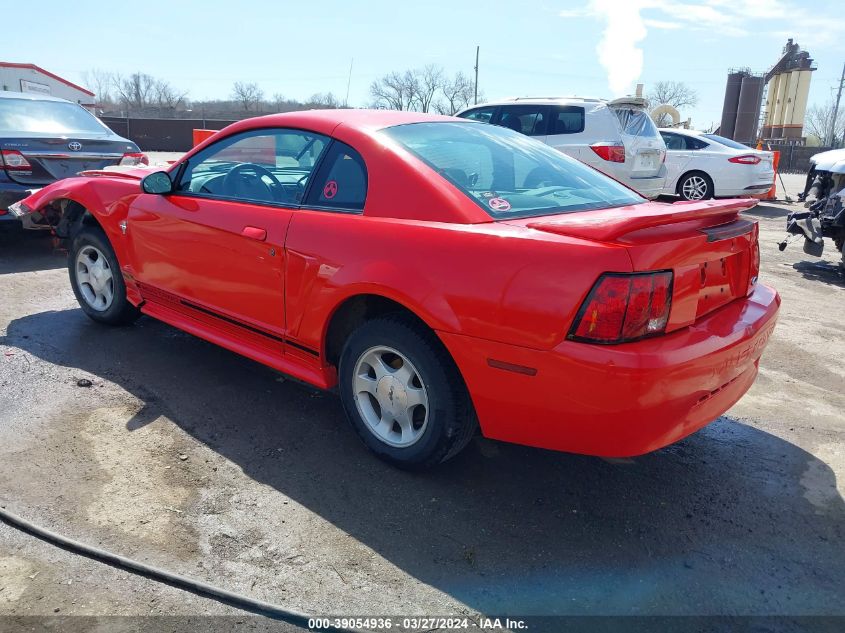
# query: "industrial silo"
(789, 86)
(731, 105)
(748, 109)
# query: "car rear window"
(508, 174)
(50, 117)
(636, 122)
(725, 141)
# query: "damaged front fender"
(63, 205)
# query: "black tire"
(450, 422)
(690, 178)
(120, 311)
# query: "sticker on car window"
(330, 190)
(499, 204)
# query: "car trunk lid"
(712, 252)
(52, 159)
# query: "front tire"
(96, 278)
(695, 185)
(403, 394)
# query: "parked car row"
(619, 139)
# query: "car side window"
(479, 114)
(567, 120)
(268, 166)
(341, 181)
(526, 119)
(673, 141)
(695, 143)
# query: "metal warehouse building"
(34, 79)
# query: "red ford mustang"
(442, 274)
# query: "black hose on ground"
(245, 603)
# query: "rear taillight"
(13, 160)
(611, 152)
(135, 158)
(624, 307)
(745, 159)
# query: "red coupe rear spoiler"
(609, 224)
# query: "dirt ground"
(186, 456)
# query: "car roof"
(10, 94)
(680, 130)
(538, 100)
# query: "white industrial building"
(34, 79)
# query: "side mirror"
(158, 183)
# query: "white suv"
(616, 137)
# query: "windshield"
(509, 175)
(725, 141)
(47, 117)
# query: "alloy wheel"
(694, 188)
(95, 278)
(390, 396)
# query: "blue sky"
(591, 47)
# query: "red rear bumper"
(618, 400)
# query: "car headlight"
(18, 209)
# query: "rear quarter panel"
(494, 281)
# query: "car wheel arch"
(355, 310)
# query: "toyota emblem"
(74, 146)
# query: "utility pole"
(475, 99)
(348, 83)
(836, 108)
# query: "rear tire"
(696, 185)
(403, 394)
(96, 278)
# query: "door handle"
(254, 233)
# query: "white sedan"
(701, 166)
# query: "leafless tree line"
(140, 94)
(138, 91)
(427, 89)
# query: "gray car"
(44, 139)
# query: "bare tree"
(248, 94)
(279, 100)
(429, 81)
(323, 100)
(818, 119)
(101, 82)
(395, 91)
(136, 91)
(168, 97)
(674, 93)
(457, 92)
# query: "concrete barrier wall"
(795, 159)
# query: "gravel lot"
(189, 457)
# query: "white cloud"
(662, 24)
(618, 50)
(627, 23)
